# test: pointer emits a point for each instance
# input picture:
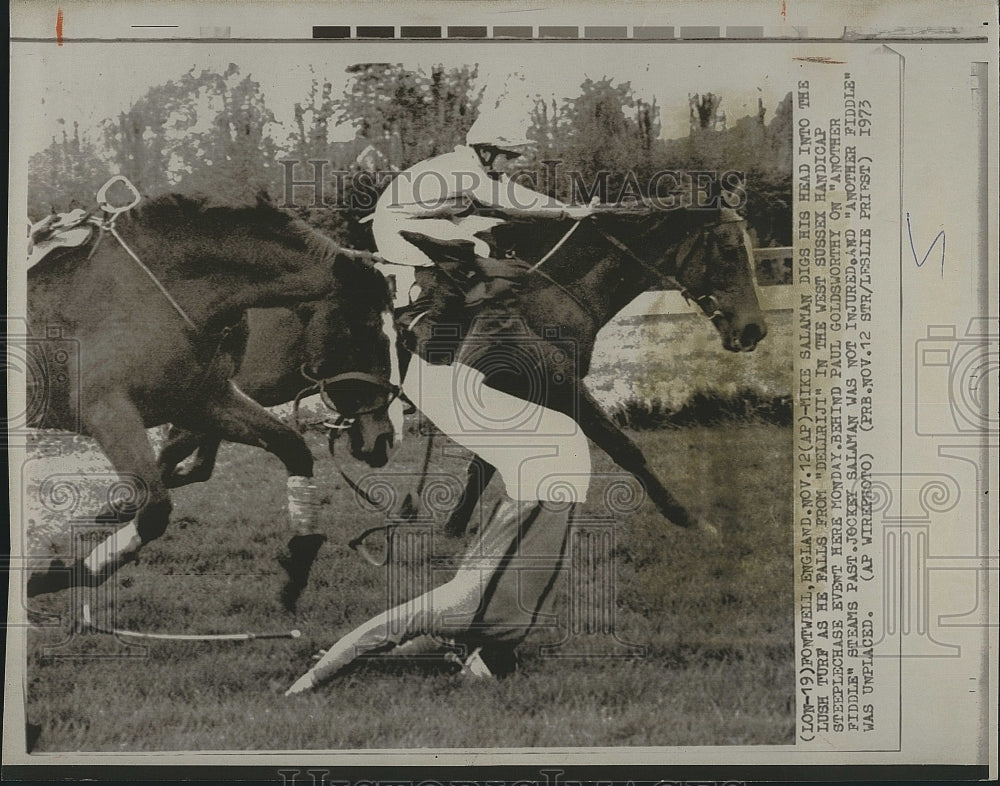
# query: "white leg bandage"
(303, 504)
(114, 551)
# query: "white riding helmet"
(502, 135)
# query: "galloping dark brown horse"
(285, 348)
(152, 305)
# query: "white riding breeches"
(540, 454)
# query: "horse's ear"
(263, 198)
(732, 190)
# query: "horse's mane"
(211, 214)
(204, 208)
(361, 277)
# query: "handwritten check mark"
(939, 236)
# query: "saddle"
(73, 229)
(481, 279)
(60, 230)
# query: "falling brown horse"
(536, 345)
(581, 277)
(154, 304)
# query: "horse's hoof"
(454, 530)
(408, 511)
(32, 732)
(58, 576)
(490, 662)
(297, 563)
(290, 594)
(184, 477)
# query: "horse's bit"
(344, 420)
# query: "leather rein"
(707, 302)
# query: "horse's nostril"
(379, 456)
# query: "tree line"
(213, 133)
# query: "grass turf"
(715, 619)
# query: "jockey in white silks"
(541, 455)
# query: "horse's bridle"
(345, 420)
(707, 302)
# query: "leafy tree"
(65, 174)
(762, 151)
(233, 155)
(204, 132)
(704, 110)
(310, 140)
(778, 138)
(409, 115)
(400, 117)
(605, 136)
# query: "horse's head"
(363, 401)
(351, 347)
(713, 268)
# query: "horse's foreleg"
(629, 456)
(478, 477)
(180, 444)
(234, 416)
(141, 495)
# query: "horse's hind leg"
(180, 444)
(118, 427)
(234, 416)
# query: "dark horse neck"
(613, 278)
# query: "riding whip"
(557, 246)
(90, 625)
